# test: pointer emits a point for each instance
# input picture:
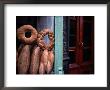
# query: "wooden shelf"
(72, 49)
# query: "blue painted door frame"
(58, 65)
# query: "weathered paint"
(58, 65)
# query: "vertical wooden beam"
(81, 39)
(79, 52)
(77, 40)
(58, 66)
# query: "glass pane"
(72, 33)
(87, 34)
(72, 57)
(72, 41)
(86, 54)
(72, 27)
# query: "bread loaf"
(50, 62)
(24, 60)
(41, 68)
(27, 29)
(16, 61)
(35, 59)
(16, 56)
(44, 57)
(20, 48)
(43, 62)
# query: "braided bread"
(41, 42)
(24, 60)
(35, 59)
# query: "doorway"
(81, 44)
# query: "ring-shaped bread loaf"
(21, 34)
(41, 42)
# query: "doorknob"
(81, 44)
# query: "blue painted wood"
(58, 65)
